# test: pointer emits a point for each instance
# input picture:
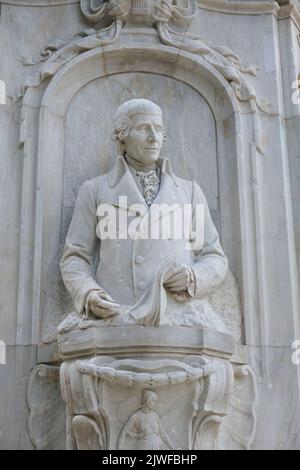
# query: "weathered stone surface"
(57, 135)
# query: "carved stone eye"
(142, 127)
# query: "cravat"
(150, 185)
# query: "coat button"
(139, 259)
(142, 285)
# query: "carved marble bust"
(138, 279)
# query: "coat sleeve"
(78, 255)
(210, 263)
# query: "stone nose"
(152, 136)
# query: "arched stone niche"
(225, 168)
(189, 123)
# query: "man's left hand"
(179, 280)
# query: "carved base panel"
(154, 402)
(145, 404)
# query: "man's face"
(145, 138)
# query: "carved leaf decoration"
(87, 433)
(207, 435)
(61, 52)
(238, 427)
(220, 57)
(93, 10)
(46, 422)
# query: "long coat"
(126, 267)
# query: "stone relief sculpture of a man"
(128, 266)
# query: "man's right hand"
(102, 305)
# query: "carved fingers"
(102, 305)
(179, 280)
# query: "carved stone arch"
(237, 125)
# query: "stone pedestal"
(108, 375)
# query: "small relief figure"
(144, 426)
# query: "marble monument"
(153, 276)
(128, 118)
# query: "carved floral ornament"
(139, 11)
(171, 22)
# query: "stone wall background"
(261, 36)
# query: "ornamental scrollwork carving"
(168, 18)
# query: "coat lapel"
(122, 187)
(123, 192)
(167, 191)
